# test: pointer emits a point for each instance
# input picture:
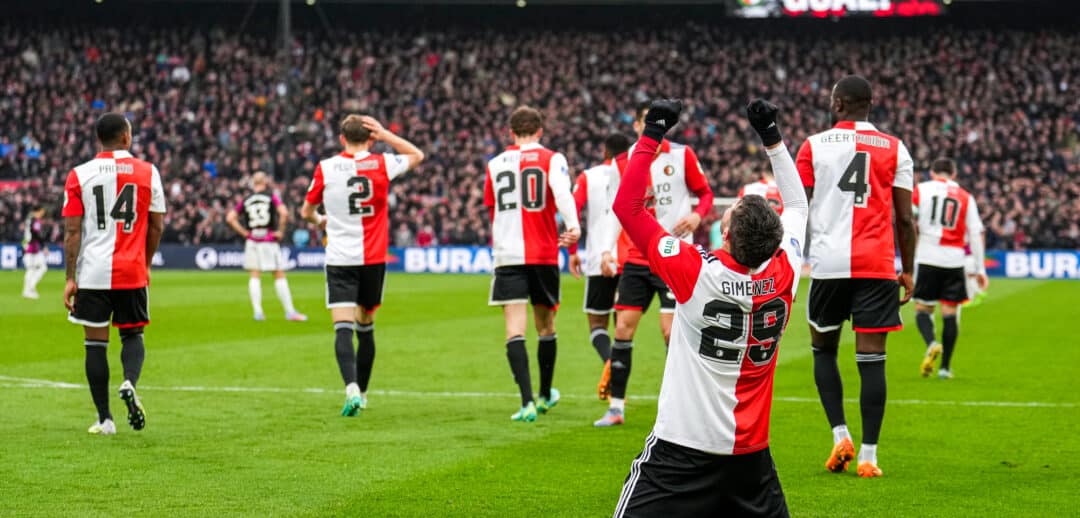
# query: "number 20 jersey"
(353, 190)
(853, 168)
(525, 187)
(115, 194)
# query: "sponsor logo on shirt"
(668, 247)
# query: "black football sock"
(925, 321)
(97, 376)
(519, 366)
(545, 356)
(365, 354)
(343, 348)
(621, 358)
(132, 354)
(829, 386)
(601, 341)
(949, 333)
(872, 396)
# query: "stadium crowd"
(209, 108)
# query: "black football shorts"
(125, 308)
(669, 480)
(518, 284)
(352, 286)
(637, 285)
(873, 305)
(934, 283)
(600, 294)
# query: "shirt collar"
(113, 154)
(855, 125)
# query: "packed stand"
(209, 108)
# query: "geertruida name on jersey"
(754, 288)
(858, 138)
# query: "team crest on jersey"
(669, 170)
(367, 165)
(668, 247)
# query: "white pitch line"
(14, 382)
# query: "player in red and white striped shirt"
(766, 188)
(675, 176)
(524, 187)
(856, 177)
(595, 192)
(708, 452)
(114, 208)
(353, 187)
(948, 223)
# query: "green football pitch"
(243, 416)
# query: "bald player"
(261, 219)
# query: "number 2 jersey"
(353, 190)
(853, 168)
(524, 187)
(115, 194)
(260, 215)
(948, 222)
(716, 394)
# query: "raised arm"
(762, 115)
(403, 147)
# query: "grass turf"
(434, 443)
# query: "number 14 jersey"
(115, 194)
(353, 189)
(853, 168)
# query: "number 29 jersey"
(353, 190)
(115, 193)
(853, 168)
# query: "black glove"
(662, 116)
(762, 116)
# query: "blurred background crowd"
(220, 104)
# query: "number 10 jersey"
(853, 168)
(353, 190)
(115, 194)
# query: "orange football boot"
(868, 469)
(603, 389)
(841, 456)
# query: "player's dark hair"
(943, 166)
(755, 231)
(616, 144)
(856, 93)
(526, 121)
(642, 109)
(110, 128)
(352, 128)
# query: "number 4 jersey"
(115, 194)
(524, 187)
(353, 190)
(853, 168)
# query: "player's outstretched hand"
(575, 266)
(375, 127)
(569, 237)
(663, 115)
(70, 289)
(762, 117)
(908, 284)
